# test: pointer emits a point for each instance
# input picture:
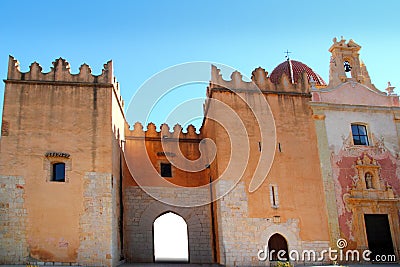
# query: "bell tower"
(345, 64)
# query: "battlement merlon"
(164, 133)
(260, 82)
(60, 72)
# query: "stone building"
(284, 162)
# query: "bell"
(347, 67)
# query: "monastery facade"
(80, 186)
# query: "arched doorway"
(277, 245)
(170, 238)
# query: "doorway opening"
(277, 245)
(170, 238)
(378, 235)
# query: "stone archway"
(141, 211)
(278, 248)
(170, 236)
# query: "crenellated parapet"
(260, 81)
(60, 72)
(236, 82)
(164, 132)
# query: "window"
(360, 136)
(273, 194)
(166, 170)
(58, 172)
(57, 166)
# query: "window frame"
(54, 172)
(359, 135)
(170, 169)
(274, 197)
(51, 158)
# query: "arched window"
(170, 238)
(58, 174)
(277, 245)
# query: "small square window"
(360, 136)
(166, 170)
(58, 174)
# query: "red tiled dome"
(293, 69)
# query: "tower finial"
(287, 52)
(390, 89)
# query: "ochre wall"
(45, 118)
(295, 169)
(60, 112)
(144, 151)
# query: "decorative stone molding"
(377, 145)
(57, 155)
(369, 194)
(368, 185)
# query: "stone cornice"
(363, 108)
(158, 139)
(59, 83)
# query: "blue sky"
(145, 37)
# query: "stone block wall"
(13, 246)
(140, 211)
(96, 221)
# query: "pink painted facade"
(352, 93)
(345, 177)
(341, 104)
(361, 180)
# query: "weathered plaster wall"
(383, 148)
(380, 124)
(345, 174)
(335, 109)
(145, 149)
(295, 170)
(59, 112)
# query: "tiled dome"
(293, 69)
